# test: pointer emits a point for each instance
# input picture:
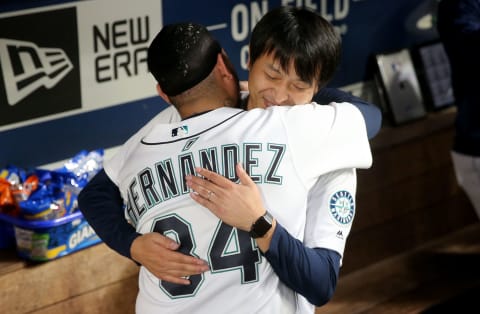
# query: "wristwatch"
(261, 226)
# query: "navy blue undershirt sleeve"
(311, 272)
(371, 113)
(101, 204)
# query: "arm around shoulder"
(370, 112)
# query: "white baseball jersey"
(284, 149)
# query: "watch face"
(261, 226)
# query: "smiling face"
(292, 53)
(271, 85)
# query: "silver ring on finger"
(210, 193)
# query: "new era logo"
(27, 67)
(40, 69)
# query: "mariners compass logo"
(342, 207)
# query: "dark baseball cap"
(181, 56)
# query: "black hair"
(181, 55)
(301, 36)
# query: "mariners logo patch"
(342, 207)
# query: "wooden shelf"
(413, 281)
(391, 135)
(93, 280)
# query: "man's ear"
(225, 72)
(162, 94)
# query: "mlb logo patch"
(180, 131)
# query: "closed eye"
(301, 88)
(272, 77)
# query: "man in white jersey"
(285, 148)
(275, 56)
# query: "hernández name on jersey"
(165, 179)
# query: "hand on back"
(158, 254)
